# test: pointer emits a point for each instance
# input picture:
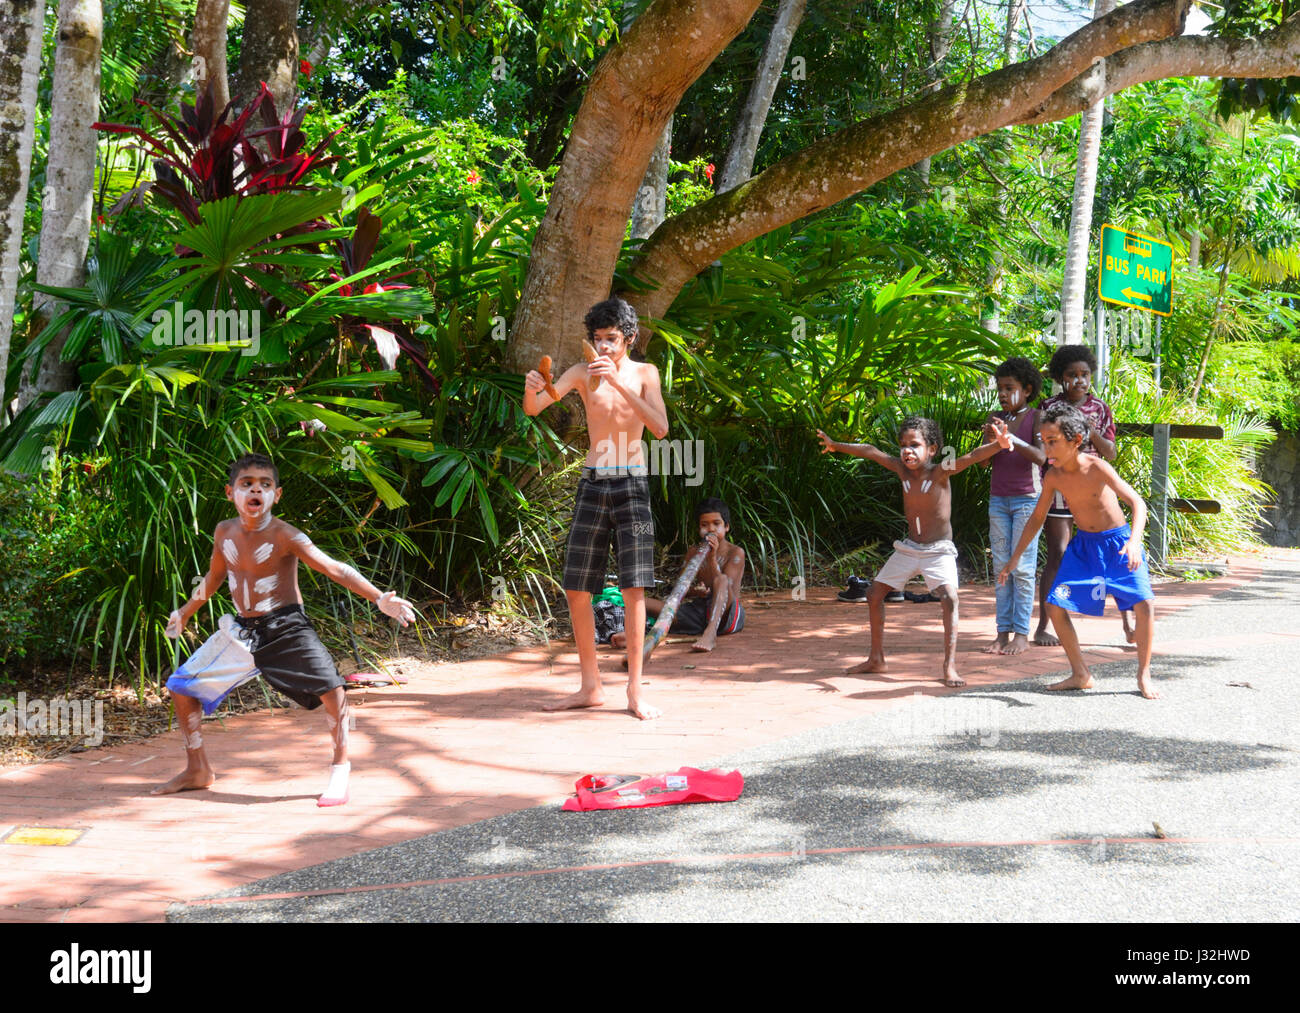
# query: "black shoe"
(894, 596)
(857, 590)
(921, 598)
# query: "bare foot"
(951, 678)
(706, 643)
(187, 780)
(582, 698)
(1044, 639)
(997, 647)
(618, 640)
(870, 665)
(1130, 634)
(1019, 644)
(1145, 687)
(643, 710)
(1077, 680)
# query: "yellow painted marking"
(55, 836)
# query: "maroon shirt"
(1098, 414)
(1014, 475)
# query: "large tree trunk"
(21, 27)
(632, 94)
(269, 52)
(739, 163)
(208, 42)
(599, 176)
(651, 205)
(69, 182)
(1075, 276)
(858, 156)
(939, 38)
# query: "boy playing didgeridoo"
(712, 607)
(258, 554)
(613, 498)
(927, 501)
(1105, 556)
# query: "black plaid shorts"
(617, 506)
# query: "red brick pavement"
(464, 742)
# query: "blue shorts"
(1093, 567)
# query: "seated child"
(712, 607)
(927, 501)
(1105, 556)
(259, 555)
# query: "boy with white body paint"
(928, 549)
(259, 554)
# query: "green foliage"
(1259, 378)
(1198, 469)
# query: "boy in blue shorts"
(1104, 557)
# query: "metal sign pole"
(1158, 354)
(1159, 541)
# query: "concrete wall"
(1279, 465)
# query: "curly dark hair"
(1067, 354)
(713, 505)
(613, 313)
(1026, 373)
(1068, 419)
(254, 461)
(928, 428)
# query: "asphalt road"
(1006, 803)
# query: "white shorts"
(935, 561)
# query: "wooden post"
(1158, 543)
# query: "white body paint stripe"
(263, 552)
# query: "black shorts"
(610, 507)
(1059, 507)
(692, 617)
(290, 656)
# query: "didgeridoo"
(674, 600)
(544, 367)
(591, 356)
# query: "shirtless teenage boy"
(613, 498)
(1104, 557)
(928, 549)
(259, 554)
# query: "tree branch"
(855, 158)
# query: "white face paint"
(265, 585)
(230, 551)
(263, 552)
(190, 733)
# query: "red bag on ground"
(636, 791)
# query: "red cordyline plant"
(199, 157)
(355, 254)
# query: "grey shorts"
(616, 507)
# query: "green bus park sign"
(1136, 271)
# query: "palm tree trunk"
(1085, 188)
(1213, 330)
(21, 26)
(69, 182)
(738, 166)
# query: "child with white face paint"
(259, 554)
(928, 548)
(1013, 494)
